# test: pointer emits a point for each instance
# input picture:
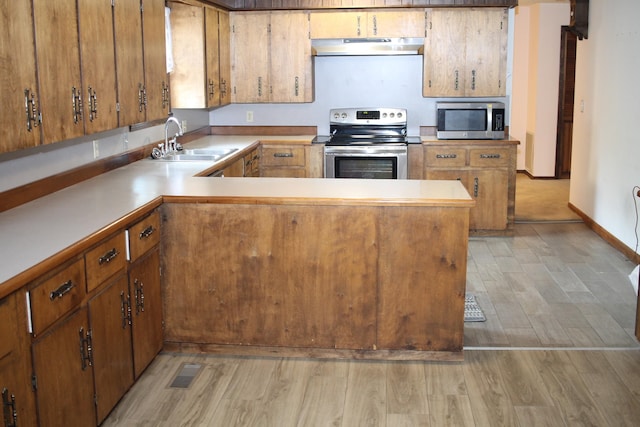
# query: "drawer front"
(445, 156)
(144, 235)
(105, 260)
(282, 156)
(490, 157)
(56, 296)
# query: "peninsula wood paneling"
(328, 277)
(269, 275)
(422, 278)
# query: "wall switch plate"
(96, 149)
(184, 126)
(249, 116)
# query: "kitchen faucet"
(171, 145)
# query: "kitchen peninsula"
(314, 267)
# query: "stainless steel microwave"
(470, 120)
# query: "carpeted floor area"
(540, 200)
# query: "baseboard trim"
(606, 236)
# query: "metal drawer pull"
(9, 410)
(490, 156)
(125, 309)
(108, 257)
(446, 156)
(476, 186)
(139, 296)
(62, 290)
(282, 154)
(147, 232)
(86, 357)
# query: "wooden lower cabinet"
(281, 160)
(64, 373)
(18, 405)
(146, 310)
(327, 277)
(111, 337)
(488, 172)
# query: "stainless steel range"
(366, 143)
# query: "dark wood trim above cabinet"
(248, 5)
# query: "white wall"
(363, 81)
(535, 84)
(606, 144)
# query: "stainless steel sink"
(199, 154)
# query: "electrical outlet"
(96, 149)
(249, 116)
(184, 126)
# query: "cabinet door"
(290, 45)
(64, 375)
(129, 61)
(444, 53)
(224, 34)
(465, 52)
(250, 57)
(212, 53)
(486, 52)
(235, 169)
(111, 333)
(155, 60)
(399, 23)
(18, 77)
(15, 363)
(189, 70)
(95, 23)
(58, 56)
(489, 188)
(146, 309)
(328, 25)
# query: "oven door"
(366, 161)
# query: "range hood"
(367, 46)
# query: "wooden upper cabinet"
(155, 60)
(250, 57)
(18, 77)
(212, 54)
(363, 23)
(201, 56)
(271, 57)
(291, 67)
(129, 61)
(58, 56)
(98, 65)
(465, 52)
(224, 32)
(329, 25)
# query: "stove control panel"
(369, 116)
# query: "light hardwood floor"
(557, 349)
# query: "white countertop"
(35, 231)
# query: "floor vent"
(185, 376)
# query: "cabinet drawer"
(144, 235)
(105, 260)
(56, 296)
(489, 157)
(282, 156)
(445, 156)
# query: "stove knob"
(344, 115)
(384, 115)
(391, 115)
(336, 116)
(399, 115)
